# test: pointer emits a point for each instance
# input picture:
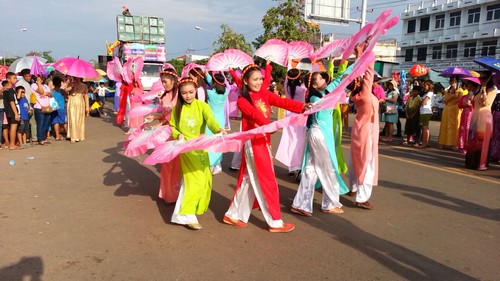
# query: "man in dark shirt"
(11, 110)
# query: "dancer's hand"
(307, 106)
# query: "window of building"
(411, 26)
(474, 15)
(424, 23)
(489, 48)
(439, 21)
(493, 12)
(470, 50)
(451, 51)
(409, 55)
(422, 54)
(436, 52)
(455, 18)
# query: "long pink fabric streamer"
(148, 139)
(216, 143)
(368, 29)
(234, 142)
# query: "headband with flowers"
(217, 81)
(187, 80)
(247, 68)
(197, 72)
(295, 77)
(169, 73)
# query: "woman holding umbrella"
(78, 100)
(78, 108)
(450, 120)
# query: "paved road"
(86, 212)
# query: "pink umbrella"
(37, 68)
(3, 71)
(76, 67)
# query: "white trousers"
(186, 218)
(318, 166)
(364, 190)
(250, 189)
(217, 169)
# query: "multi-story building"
(444, 33)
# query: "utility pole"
(363, 14)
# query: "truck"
(142, 36)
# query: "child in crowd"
(425, 113)
(4, 134)
(59, 116)
(101, 92)
(412, 128)
(24, 111)
(189, 119)
(11, 108)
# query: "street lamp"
(24, 29)
(208, 30)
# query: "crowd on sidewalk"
(36, 110)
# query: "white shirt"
(427, 107)
(101, 91)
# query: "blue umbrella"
(489, 63)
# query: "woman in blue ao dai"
(217, 98)
(315, 166)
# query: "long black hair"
(309, 81)
(180, 100)
(219, 85)
(200, 80)
(293, 76)
(170, 73)
(245, 75)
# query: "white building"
(444, 33)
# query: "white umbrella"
(24, 62)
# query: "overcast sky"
(81, 27)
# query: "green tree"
(43, 54)
(178, 64)
(286, 22)
(231, 40)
